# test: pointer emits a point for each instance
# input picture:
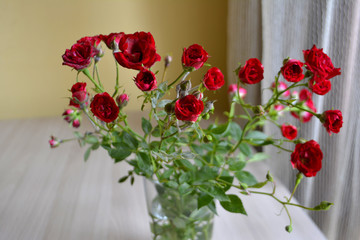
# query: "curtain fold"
(285, 28)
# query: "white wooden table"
(52, 194)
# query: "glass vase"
(174, 216)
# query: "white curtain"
(286, 28)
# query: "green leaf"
(258, 157)
(87, 154)
(259, 184)
(256, 137)
(130, 140)
(162, 103)
(123, 179)
(77, 134)
(91, 139)
(204, 199)
(246, 177)
(185, 189)
(156, 131)
(236, 165)
(234, 205)
(229, 180)
(186, 163)
(146, 125)
(144, 162)
(119, 153)
(235, 130)
(198, 149)
(245, 149)
(212, 207)
(221, 129)
(215, 192)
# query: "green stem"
(92, 120)
(117, 79)
(87, 73)
(300, 108)
(182, 75)
(299, 176)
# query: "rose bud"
(198, 95)
(209, 107)
(80, 96)
(54, 142)
(188, 108)
(232, 89)
(104, 107)
(242, 92)
(332, 121)
(169, 108)
(294, 95)
(319, 63)
(145, 80)
(68, 115)
(307, 158)
(252, 72)
(303, 115)
(213, 79)
(289, 131)
(122, 100)
(281, 87)
(137, 51)
(319, 85)
(168, 60)
(292, 70)
(278, 107)
(76, 123)
(194, 57)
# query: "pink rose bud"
(54, 142)
(76, 123)
(122, 100)
(168, 60)
(278, 107)
(232, 89)
(281, 87)
(295, 95)
(242, 92)
(68, 115)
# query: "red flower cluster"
(80, 96)
(104, 107)
(307, 158)
(136, 51)
(332, 121)
(194, 57)
(289, 131)
(188, 108)
(322, 68)
(292, 70)
(213, 79)
(252, 72)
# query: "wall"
(34, 35)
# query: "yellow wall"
(34, 35)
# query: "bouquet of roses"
(173, 150)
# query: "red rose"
(111, 38)
(145, 80)
(333, 121)
(292, 70)
(252, 72)
(194, 57)
(137, 51)
(319, 85)
(213, 79)
(104, 107)
(79, 95)
(307, 158)
(289, 131)
(188, 108)
(94, 41)
(319, 63)
(79, 56)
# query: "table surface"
(53, 194)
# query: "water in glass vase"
(175, 216)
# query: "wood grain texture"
(53, 194)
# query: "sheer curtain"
(285, 29)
